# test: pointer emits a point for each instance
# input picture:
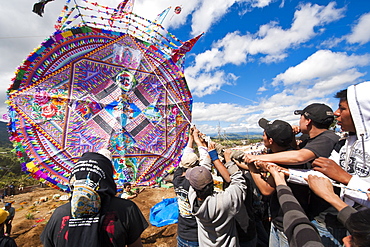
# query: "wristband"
(213, 154)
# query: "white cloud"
(218, 112)
(273, 58)
(331, 42)
(233, 114)
(323, 64)
(234, 118)
(271, 40)
(361, 31)
(209, 12)
(312, 81)
(207, 83)
(260, 3)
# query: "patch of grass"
(30, 216)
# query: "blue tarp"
(164, 213)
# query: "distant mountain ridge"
(238, 135)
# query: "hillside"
(32, 214)
(4, 136)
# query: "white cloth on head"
(106, 153)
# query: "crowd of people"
(9, 190)
(314, 192)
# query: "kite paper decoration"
(101, 82)
(178, 10)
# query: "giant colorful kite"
(107, 78)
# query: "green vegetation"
(4, 136)
(10, 167)
(30, 216)
(236, 139)
(235, 142)
(11, 171)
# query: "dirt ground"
(30, 219)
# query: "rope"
(334, 184)
(23, 37)
(238, 95)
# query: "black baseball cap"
(319, 113)
(280, 131)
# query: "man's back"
(215, 216)
(121, 224)
(187, 225)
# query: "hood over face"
(98, 169)
(359, 105)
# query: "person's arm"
(189, 146)
(191, 138)
(235, 194)
(331, 169)
(297, 227)
(266, 187)
(242, 165)
(294, 157)
(204, 159)
(279, 177)
(132, 196)
(218, 164)
(197, 138)
(324, 189)
(126, 195)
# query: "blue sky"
(257, 58)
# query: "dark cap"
(199, 177)
(8, 204)
(280, 131)
(319, 113)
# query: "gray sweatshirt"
(215, 217)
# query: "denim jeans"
(277, 238)
(185, 243)
(330, 237)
